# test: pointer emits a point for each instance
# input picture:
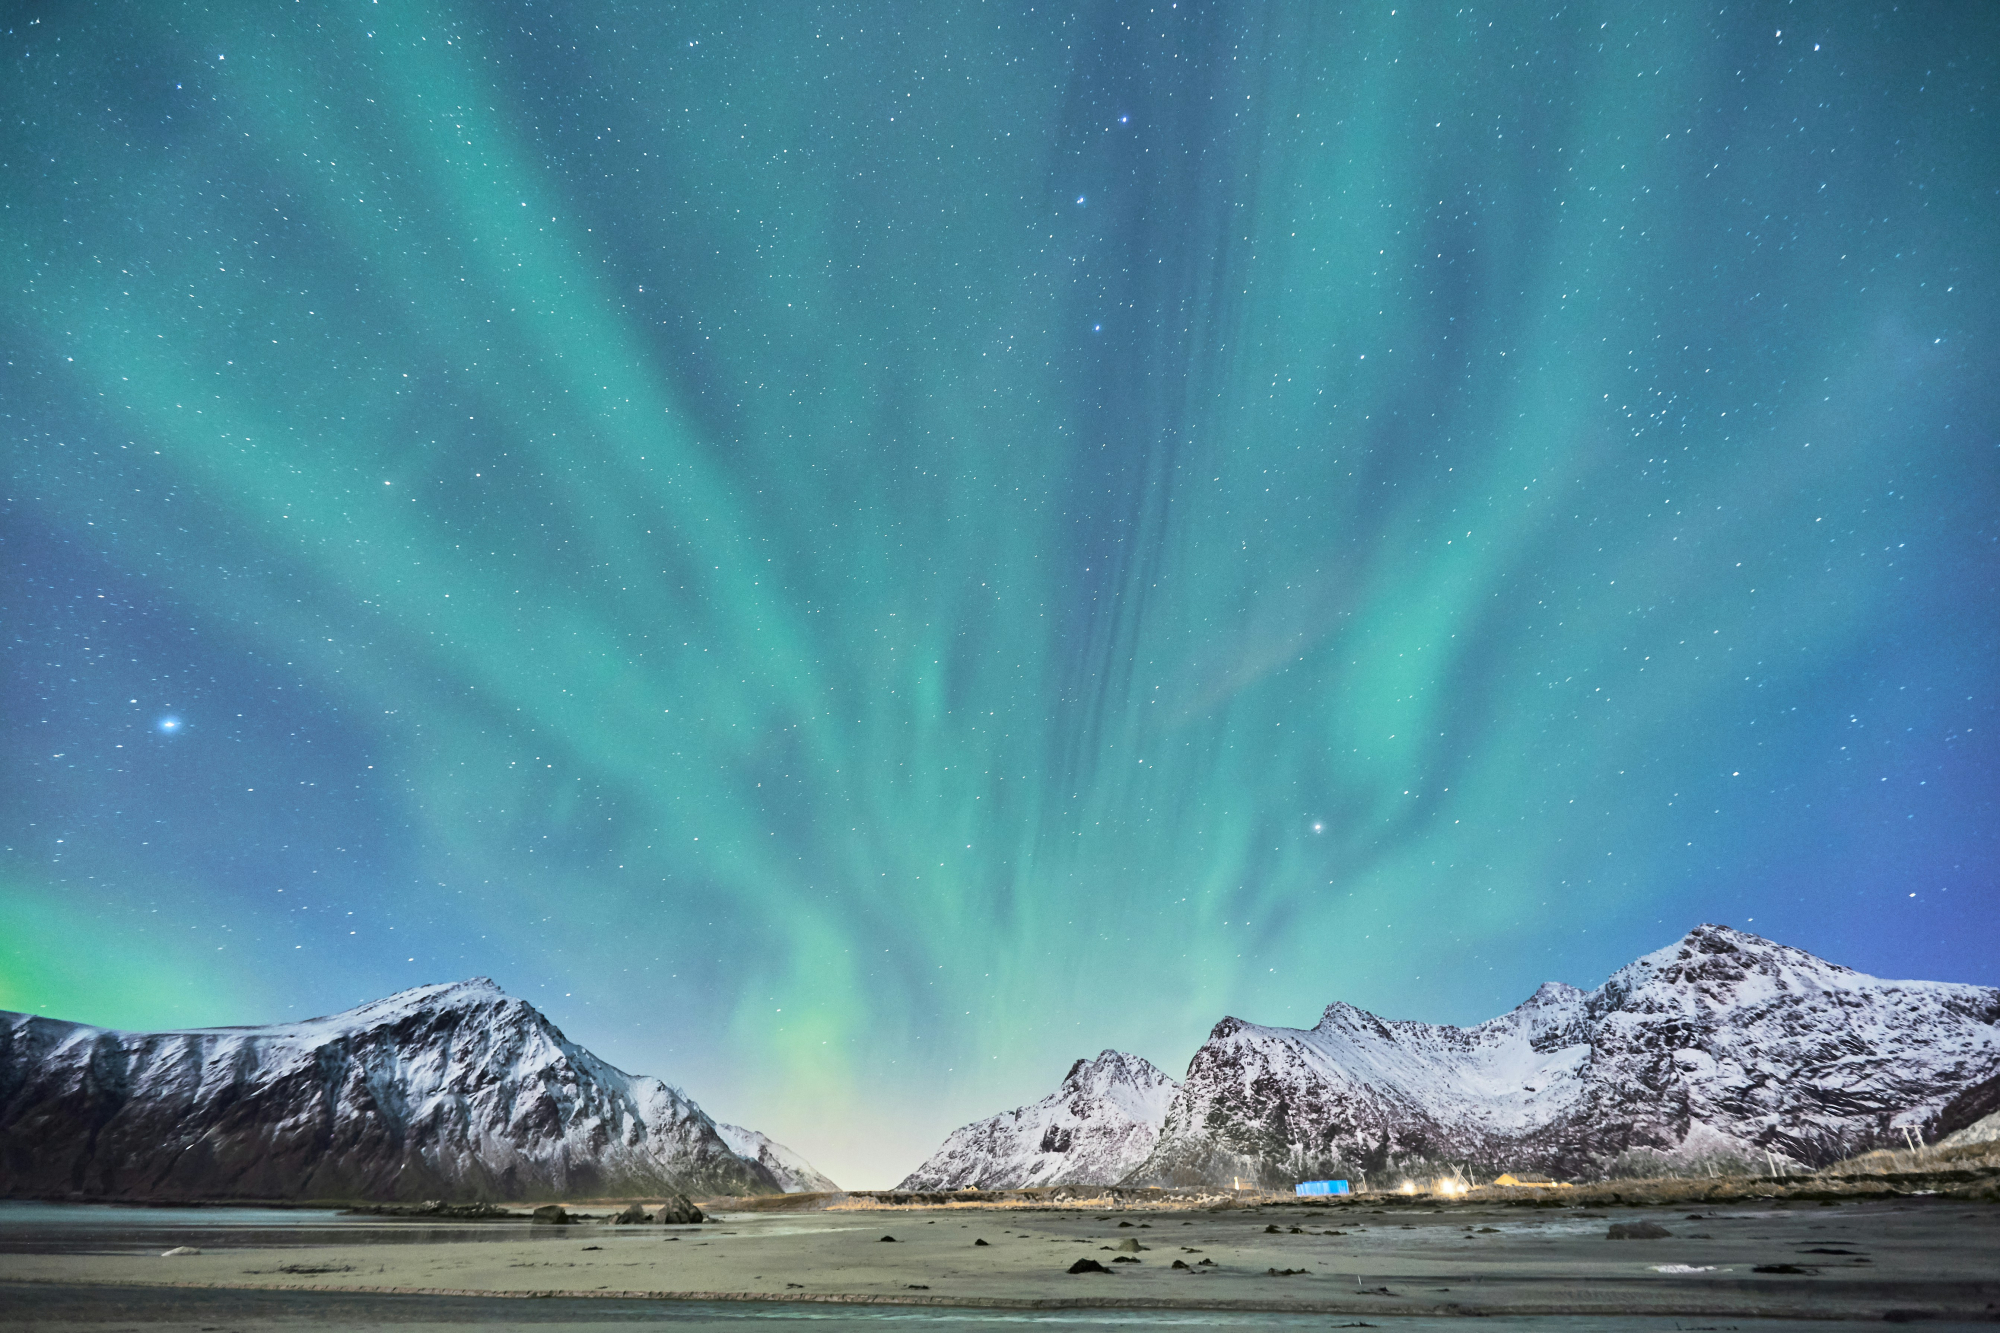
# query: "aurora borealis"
(859, 554)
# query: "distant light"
(1079, 199)
(168, 726)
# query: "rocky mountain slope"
(1095, 1128)
(453, 1092)
(1975, 1109)
(794, 1174)
(1721, 1050)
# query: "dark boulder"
(679, 1211)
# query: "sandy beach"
(1900, 1259)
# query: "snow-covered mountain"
(1718, 1049)
(442, 1092)
(1095, 1128)
(794, 1174)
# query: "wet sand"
(1901, 1259)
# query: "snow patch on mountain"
(1094, 1129)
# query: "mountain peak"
(1713, 961)
(1111, 1066)
(447, 997)
(1712, 937)
(1341, 1009)
(1094, 1128)
(1553, 992)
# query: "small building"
(1320, 1187)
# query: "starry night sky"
(856, 555)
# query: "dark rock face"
(1722, 1050)
(452, 1093)
(1974, 1104)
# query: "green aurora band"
(855, 558)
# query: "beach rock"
(1087, 1266)
(553, 1214)
(979, 1242)
(679, 1211)
(634, 1213)
(1637, 1231)
(1130, 1245)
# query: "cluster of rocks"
(678, 1210)
(430, 1208)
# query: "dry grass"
(1884, 1162)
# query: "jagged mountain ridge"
(794, 1174)
(1097, 1126)
(454, 1092)
(1722, 1047)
